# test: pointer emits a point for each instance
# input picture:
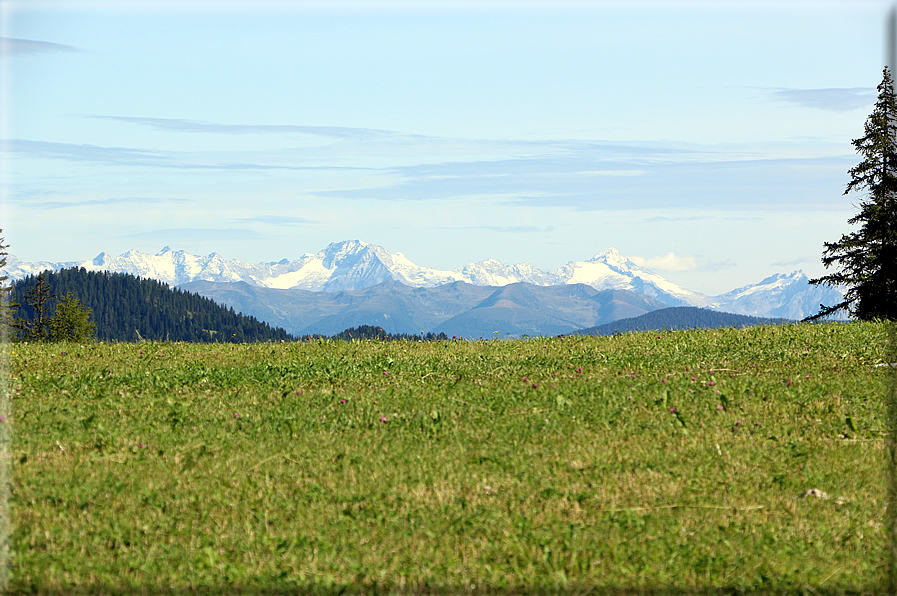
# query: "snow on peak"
(353, 264)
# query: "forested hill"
(128, 308)
(679, 317)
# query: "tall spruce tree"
(867, 258)
(38, 298)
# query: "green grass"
(177, 467)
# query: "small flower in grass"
(694, 378)
(788, 384)
(807, 377)
(525, 380)
(535, 385)
(554, 374)
(756, 424)
(579, 369)
(672, 410)
(342, 401)
(711, 383)
(298, 392)
(720, 407)
(384, 419)
(385, 373)
(662, 380)
(2, 418)
(236, 415)
(738, 423)
(142, 446)
(731, 375)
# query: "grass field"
(672, 461)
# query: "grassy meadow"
(642, 462)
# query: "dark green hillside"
(679, 317)
(128, 308)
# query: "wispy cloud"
(198, 234)
(177, 125)
(144, 157)
(833, 100)
(88, 153)
(507, 229)
(659, 218)
(278, 220)
(12, 46)
(800, 261)
(97, 202)
(673, 263)
(709, 266)
(672, 183)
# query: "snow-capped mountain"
(353, 265)
(609, 270)
(789, 296)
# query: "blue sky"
(450, 131)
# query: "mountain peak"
(354, 265)
(610, 252)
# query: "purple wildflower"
(384, 419)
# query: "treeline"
(129, 308)
(377, 333)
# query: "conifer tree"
(867, 258)
(71, 321)
(38, 298)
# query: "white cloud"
(669, 262)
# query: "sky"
(709, 141)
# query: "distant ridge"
(679, 317)
(355, 265)
(458, 308)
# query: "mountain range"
(372, 278)
(457, 308)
